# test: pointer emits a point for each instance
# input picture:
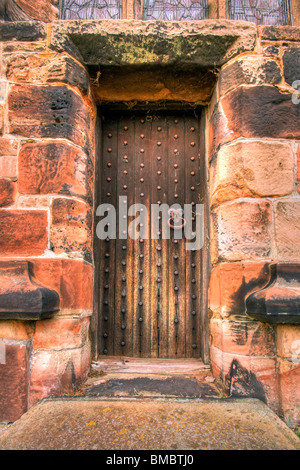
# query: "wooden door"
(149, 287)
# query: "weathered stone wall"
(47, 122)
(253, 146)
(25, 10)
(46, 200)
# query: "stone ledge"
(279, 301)
(21, 297)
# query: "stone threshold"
(133, 365)
(115, 377)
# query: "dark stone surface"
(291, 65)
(22, 31)
(238, 73)
(21, 297)
(70, 72)
(262, 111)
(49, 111)
(279, 301)
(241, 383)
(145, 386)
(280, 33)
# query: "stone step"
(148, 424)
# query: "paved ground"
(152, 423)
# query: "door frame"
(203, 196)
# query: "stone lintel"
(184, 44)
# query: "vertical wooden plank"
(142, 191)
(107, 247)
(159, 247)
(177, 333)
(123, 279)
(192, 193)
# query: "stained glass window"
(90, 9)
(269, 12)
(175, 10)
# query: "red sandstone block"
(71, 227)
(260, 111)
(7, 192)
(55, 373)
(247, 376)
(8, 146)
(242, 336)
(287, 229)
(298, 164)
(42, 10)
(46, 68)
(55, 167)
(49, 111)
(23, 233)
(241, 230)
(1, 119)
(8, 167)
(251, 168)
(14, 380)
(249, 70)
(16, 330)
(288, 342)
(289, 380)
(61, 333)
(72, 279)
(231, 283)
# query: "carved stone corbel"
(21, 296)
(279, 301)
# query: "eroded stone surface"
(45, 111)
(55, 167)
(7, 192)
(24, 232)
(107, 42)
(71, 227)
(253, 168)
(241, 230)
(153, 425)
(14, 379)
(42, 10)
(240, 115)
(46, 68)
(291, 64)
(287, 235)
(252, 70)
